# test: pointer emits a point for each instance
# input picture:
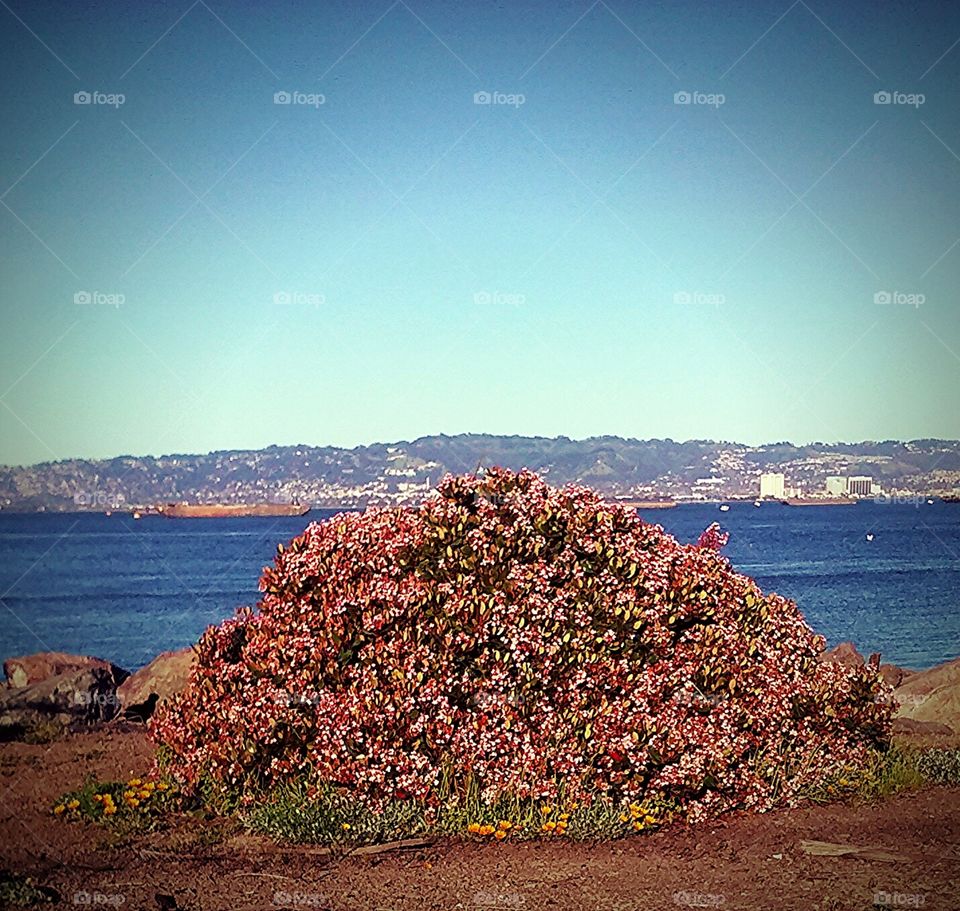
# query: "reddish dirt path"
(742, 863)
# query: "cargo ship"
(644, 504)
(229, 510)
(818, 501)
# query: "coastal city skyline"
(406, 472)
(230, 227)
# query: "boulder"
(162, 678)
(30, 669)
(846, 654)
(895, 675)
(913, 727)
(932, 696)
(78, 695)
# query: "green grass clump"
(22, 892)
(326, 815)
(940, 765)
(138, 805)
(888, 772)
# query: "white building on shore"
(772, 486)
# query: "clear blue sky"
(596, 259)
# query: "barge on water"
(229, 510)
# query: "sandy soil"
(741, 863)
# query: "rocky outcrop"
(932, 696)
(910, 726)
(162, 678)
(30, 669)
(76, 696)
(846, 654)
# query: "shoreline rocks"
(162, 678)
(29, 669)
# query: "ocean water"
(125, 590)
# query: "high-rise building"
(860, 486)
(836, 486)
(771, 485)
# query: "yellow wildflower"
(73, 804)
(474, 828)
(59, 808)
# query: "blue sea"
(125, 590)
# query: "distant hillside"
(406, 471)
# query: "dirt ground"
(744, 862)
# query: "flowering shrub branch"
(521, 639)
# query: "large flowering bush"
(521, 640)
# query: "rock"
(162, 678)
(30, 669)
(846, 654)
(895, 675)
(78, 695)
(911, 726)
(932, 696)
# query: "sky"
(228, 225)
